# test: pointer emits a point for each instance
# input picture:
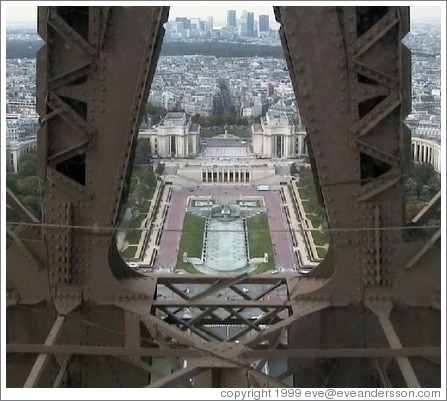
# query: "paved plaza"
(281, 241)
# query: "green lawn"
(259, 240)
(310, 201)
(188, 267)
(135, 222)
(314, 212)
(133, 236)
(263, 267)
(321, 251)
(191, 241)
(129, 252)
(314, 219)
(320, 238)
(306, 187)
(304, 193)
(144, 207)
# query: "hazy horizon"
(28, 14)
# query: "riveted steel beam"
(378, 30)
(382, 309)
(260, 364)
(70, 35)
(428, 210)
(423, 250)
(43, 359)
(178, 377)
(306, 308)
(24, 249)
(242, 303)
(383, 376)
(249, 354)
(349, 81)
(264, 381)
(14, 204)
(136, 361)
(61, 375)
(219, 285)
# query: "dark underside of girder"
(367, 316)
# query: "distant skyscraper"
(264, 23)
(250, 25)
(185, 21)
(210, 23)
(231, 18)
(243, 28)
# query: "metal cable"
(112, 229)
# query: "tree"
(423, 182)
(160, 168)
(147, 178)
(11, 182)
(156, 112)
(142, 151)
(422, 173)
(34, 204)
(420, 187)
(412, 209)
(132, 204)
(28, 165)
(28, 186)
(293, 169)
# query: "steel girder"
(80, 303)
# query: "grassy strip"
(314, 219)
(144, 207)
(308, 207)
(129, 252)
(133, 233)
(304, 193)
(313, 210)
(188, 267)
(139, 219)
(191, 241)
(321, 251)
(259, 240)
(133, 236)
(320, 238)
(263, 267)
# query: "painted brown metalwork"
(95, 323)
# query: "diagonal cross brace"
(382, 309)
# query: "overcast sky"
(191, 9)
